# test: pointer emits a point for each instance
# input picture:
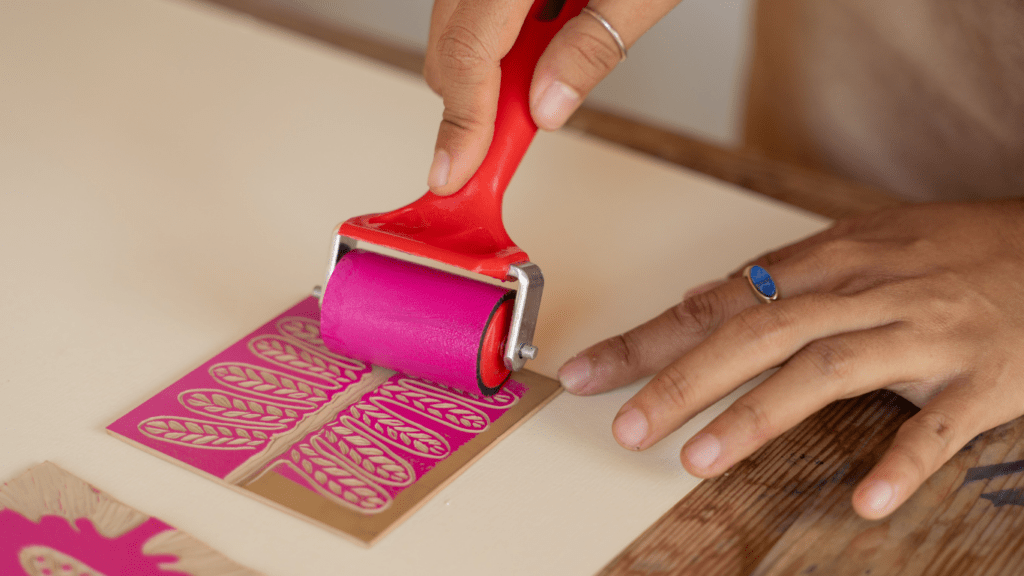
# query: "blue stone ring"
(761, 283)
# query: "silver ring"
(608, 27)
(761, 283)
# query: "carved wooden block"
(349, 445)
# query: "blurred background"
(688, 74)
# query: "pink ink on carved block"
(54, 524)
(279, 404)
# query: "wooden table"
(786, 509)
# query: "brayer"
(446, 328)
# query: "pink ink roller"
(446, 328)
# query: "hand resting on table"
(925, 300)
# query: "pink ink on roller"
(421, 321)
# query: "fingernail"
(556, 104)
(702, 451)
(630, 429)
(575, 374)
(702, 288)
(878, 496)
(439, 170)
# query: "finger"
(466, 70)
(583, 53)
(439, 17)
(749, 343)
(825, 370)
(925, 442)
(651, 346)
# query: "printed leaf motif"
(39, 560)
(307, 331)
(334, 480)
(366, 453)
(503, 399)
(202, 434)
(234, 407)
(437, 406)
(301, 358)
(397, 431)
(250, 378)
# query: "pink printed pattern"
(382, 443)
(234, 406)
(54, 547)
(54, 524)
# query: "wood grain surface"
(786, 510)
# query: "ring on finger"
(611, 30)
(761, 283)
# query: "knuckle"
(462, 53)
(672, 389)
(466, 118)
(839, 251)
(830, 358)
(758, 423)
(624, 347)
(764, 324)
(702, 312)
(594, 54)
(931, 432)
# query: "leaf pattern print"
(398, 431)
(437, 406)
(334, 480)
(367, 454)
(203, 434)
(273, 383)
(234, 407)
(301, 358)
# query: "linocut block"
(351, 446)
(54, 524)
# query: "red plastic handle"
(466, 228)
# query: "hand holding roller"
(372, 305)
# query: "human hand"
(926, 301)
(467, 41)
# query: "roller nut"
(528, 351)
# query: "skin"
(923, 300)
(467, 40)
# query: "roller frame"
(519, 346)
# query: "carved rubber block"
(351, 446)
(54, 524)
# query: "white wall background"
(687, 74)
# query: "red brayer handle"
(466, 228)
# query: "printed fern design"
(367, 455)
(39, 560)
(299, 357)
(203, 434)
(334, 480)
(397, 431)
(503, 399)
(235, 407)
(250, 378)
(307, 331)
(303, 329)
(437, 406)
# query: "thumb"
(463, 65)
(584, 52)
